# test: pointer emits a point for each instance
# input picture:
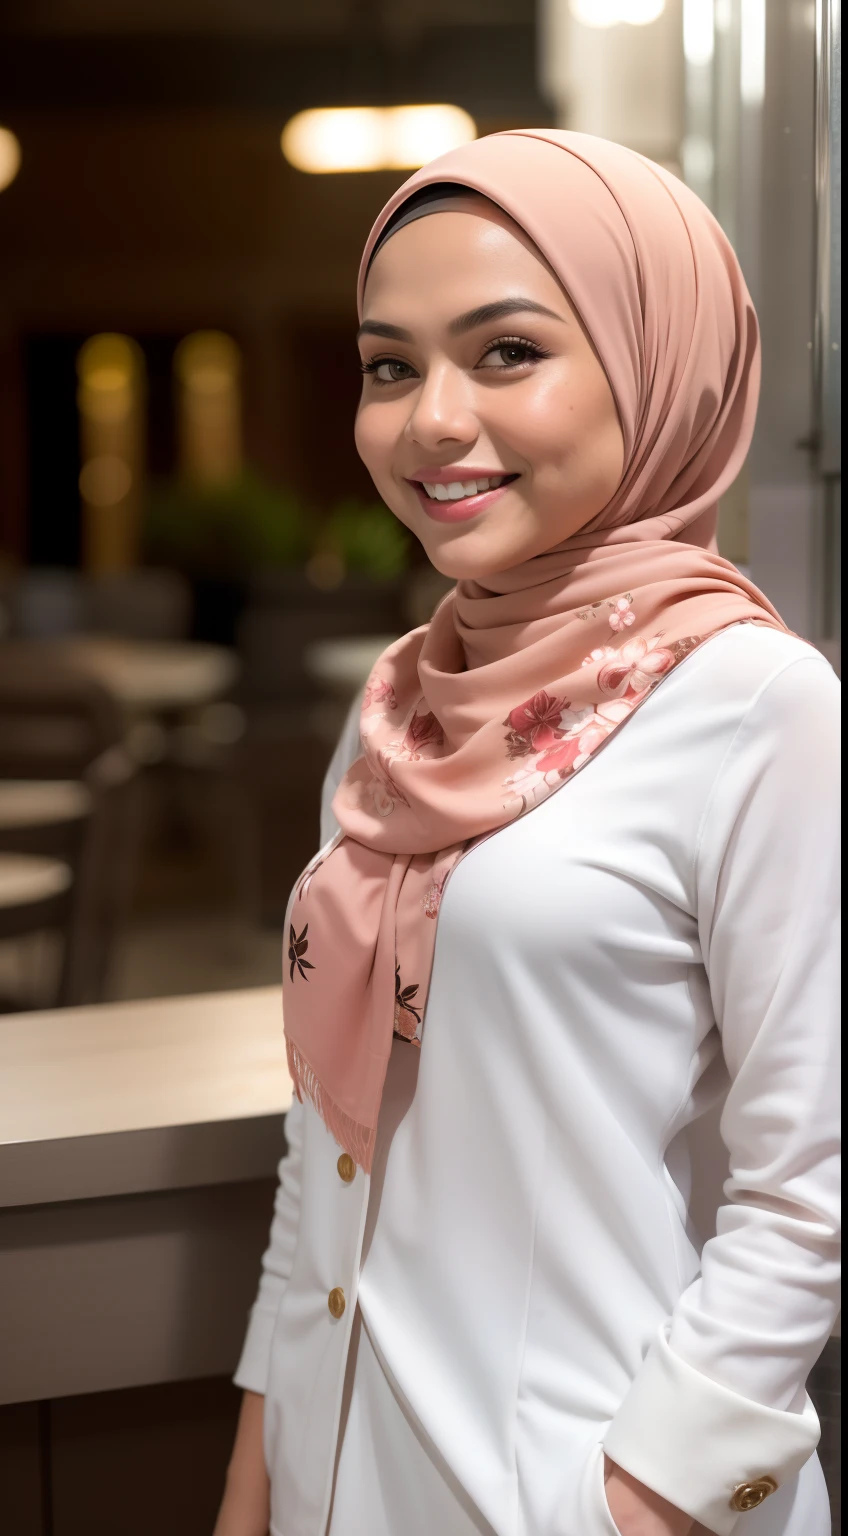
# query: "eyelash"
(536, 353)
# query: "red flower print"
(636, 667)
(424, 731)
(559, 758)
(378, 691)
(535, 724)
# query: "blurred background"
(194, 568)
(196, 573)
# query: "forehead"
(443, 257)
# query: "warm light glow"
(10, 157)
(374, 138)
(336, 139)
(698, 31)
(415, 135)
(105, 481)
(208, 362)
(111, 403)
(207, 366)
(752, 52)
(609, 13)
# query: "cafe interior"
(196, 574)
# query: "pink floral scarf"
(476, 718)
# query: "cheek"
(376, 433)
(567, 424)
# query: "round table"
(343, 666)
(152, 676)
(27, 878)
(28, 803)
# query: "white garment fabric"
(658, 937)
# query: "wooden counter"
(138, 1149)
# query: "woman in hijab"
(576, 898)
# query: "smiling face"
(477, 370)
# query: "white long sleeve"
(754, 1322)
(660, 932)
(252, 1370)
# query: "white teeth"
(457, 489)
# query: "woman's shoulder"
(753, 663)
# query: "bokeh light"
(207, 369)
(10, 157)
(336, 139)
(609, 13)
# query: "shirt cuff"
(706, 1449)
(252, 1370)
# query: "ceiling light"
(609, 13)
(330, 139)
(752, 52)
(698, 31)
(10, 157)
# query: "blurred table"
(29, 803)
(26, 879)
(343, 666)
(138, 1146)
(152, 676)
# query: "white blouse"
(523, 1276)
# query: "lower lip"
(458, 511)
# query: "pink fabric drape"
(474, 719)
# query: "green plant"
(225, 529)
(367, 539)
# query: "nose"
(441, 409)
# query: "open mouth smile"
(455, 500)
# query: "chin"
(472, 557)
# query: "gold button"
(751, 1495)
(336, 1301)
(346, 1167)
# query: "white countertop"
(127, 1067)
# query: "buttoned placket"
(352, 1188)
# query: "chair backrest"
(55, 722)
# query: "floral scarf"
(473, 720)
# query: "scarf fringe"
(353, 1137)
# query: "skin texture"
(551, 420)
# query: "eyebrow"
(483, 315)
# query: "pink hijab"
(476, 718)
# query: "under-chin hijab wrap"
(520, 679)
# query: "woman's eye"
(389, 370)
(509, 354)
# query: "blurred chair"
(46, 603)
(144, 604)
(68, 782)
(35, 899)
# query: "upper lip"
(448, 474)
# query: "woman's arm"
(246, 1505)
(719, 1404)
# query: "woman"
(577, 885)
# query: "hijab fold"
(473, 720)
